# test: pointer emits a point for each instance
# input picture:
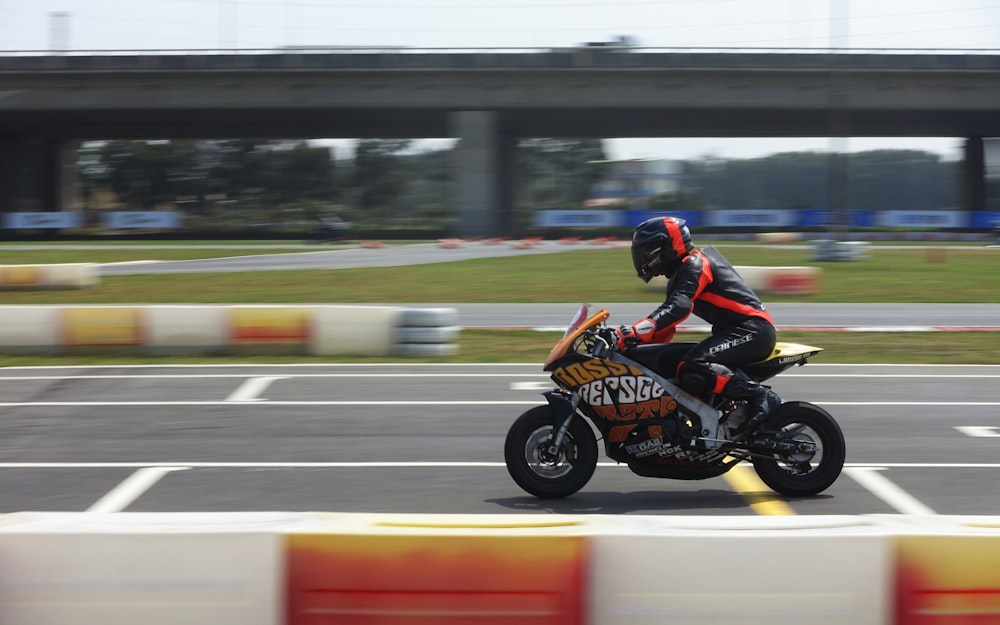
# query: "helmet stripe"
(676, 238)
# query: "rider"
(703, 282)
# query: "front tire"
(811, 472)
(532, 467)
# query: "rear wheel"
(819, 452)
(537, 467)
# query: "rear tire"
(803, 475)
(529, 464)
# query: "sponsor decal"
(645, 448)
(581, 373)
(731, 343)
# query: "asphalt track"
(428, 438)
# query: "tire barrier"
(832, 250)
(791, 280)
(275, 568)
(57, 276)
(320, 330)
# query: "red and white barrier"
(230, 329)
(354, 569)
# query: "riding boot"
(761, 400)
(761, 403)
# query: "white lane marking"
(361, 365)
(979, 431)
(531, 386)
(887, 491)
(132, 488)
(406, 402)
(428, 464)
(249, 390)
(188, 376)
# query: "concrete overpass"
(487, 98)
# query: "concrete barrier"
(229, 329)
(56, 276)
(742, 570)
(123, 569)
(353, 569)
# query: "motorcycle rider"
(703, 282)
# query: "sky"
(875, 25)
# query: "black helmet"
(658, 246)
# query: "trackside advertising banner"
(777, 219)
(53, 220)
(923, 219)
(141, 219)
(579, 219)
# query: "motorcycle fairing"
(783, 356)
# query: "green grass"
(601, 276)
(893, 274)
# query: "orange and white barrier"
(230, 329)
(57, 276)
(790, 280)
(778, 237)
(352, 569)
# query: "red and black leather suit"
(707, 285)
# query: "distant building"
(636, 180)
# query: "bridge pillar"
(482, 199)
(37, 175)
(974, 175)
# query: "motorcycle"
(658, 429)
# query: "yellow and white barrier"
(792, 280)
(353, 569)
(229, 329)
(57, 276)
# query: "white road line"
(407, 402)
(407, 465)
(132, 488)
(884, 489)
(402, 402)
(979, 431)
(249, 390)
(188, 376)
(531, 386)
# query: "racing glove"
(642, 331)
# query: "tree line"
(387, 184)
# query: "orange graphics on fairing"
(629, 394)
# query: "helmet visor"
(646, 260)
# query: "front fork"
(564, 407)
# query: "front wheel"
(542, 471)
(818, 456)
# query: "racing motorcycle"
(659, 430)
